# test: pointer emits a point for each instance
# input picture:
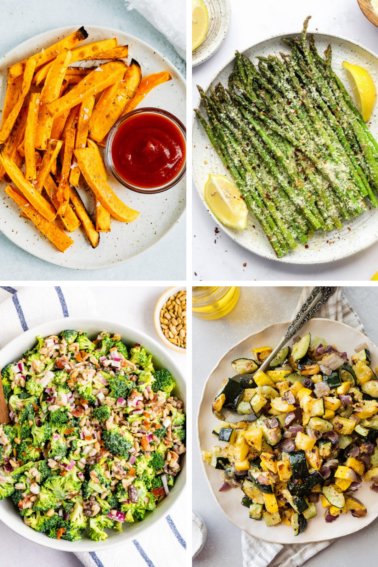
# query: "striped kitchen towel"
(22, 308)
(258, 553)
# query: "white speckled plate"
(357, 234)
(219, 22)
(158, 213)
(344, 337)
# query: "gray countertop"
(259, 307)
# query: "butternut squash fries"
(54, 118)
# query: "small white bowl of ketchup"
(146, 150)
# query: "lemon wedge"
(200, 23)
(363, 87)
(226, 202)
(375, 277)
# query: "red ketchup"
(148, 150)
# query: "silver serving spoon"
(313, 303)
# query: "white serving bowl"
(159, 304)
(14, 350)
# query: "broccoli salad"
(95, 438)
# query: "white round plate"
(357, 234)
(219, 22)
(14, 350)
(346, 339)
(158, 213)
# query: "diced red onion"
(314, 497)
(287, 435)
(66, 516)
(100, 395)
(369, 448)
(148, 389)
(344, 355)
(103, 380)
(38, 422)
(121, 402)
(352, 451)
(117, 517)
(321, 389)
(325, 472)
(289, 417)
(374, 487)
(313, 433)
(165, 483)
(294, 429)
(355, 486)
(12, 414)
(116, 364)
(331, 463)
(330, 349)
(365, 458)
(319, 350)
(325, 369)
(138, 412)
(81, 476)
(333, 361)
(346, 399)
(21, 367)
(8, 468)
(56, 436)
(332, 436)
(132, 460)
(48, 390)
(288, 445)
(150, 437)
(71, 465)
(360, 347)
(102, 358)
(329, 518)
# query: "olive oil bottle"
(214, 302)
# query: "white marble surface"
(259, 307)
(132, 306)
(24, 19)
(251, 22)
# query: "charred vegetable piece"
(300, 348)
(227, 434)
(231, 389)
(244, 365)
(222, 463)
(300, 504)
(256, 511)
(298, 464)
(346, 374)
(333, 380)
(361, 356)
(247, 502)
(298, 523)
(247, 381)
(334, 496)
(280, 357)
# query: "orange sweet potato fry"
(13, 91)
(69, 219)
(81, 54)
(88, 161)
(113, 101)
(85, 114)
(14, 140)
(91, 232)
(31, 126)
(64, 186)
(51, 52)
(120, 52)
(49, 157)
(7, 127)
(49, 229)
(51, 92)
(27, 189)
(102, 77)
(103, 220)
(148, 83)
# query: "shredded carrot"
(132, 472)
(69, 431)
(145, 443)
(88, 437)
(60, 532)
(158, 426)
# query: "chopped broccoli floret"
(140, 357)
(119, 386)
(105, 345)
(156, 482)
(177, 417)
(77, 517)
(102, 413)
(6, 486)
(145, 379)
(86, 392)
(44, 470)
(69, 336)
(34, 388)
(10, 432)
(41, 434)
(7, 371)
(156, 461)
(163, 381)
(86, 490)
(161, 432)
(45, 501)
(58, 448)
(121, 348)
(61, 377)
(27, 452)
(84, 342)
(63, 486)
(117, 444)
(7, 388)
(59, 417)
(97, 526)
(143, 467)
(180, 433)
(42, 523)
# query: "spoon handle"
(313, 303)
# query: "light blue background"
(23, 19)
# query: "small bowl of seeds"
(170, 318)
